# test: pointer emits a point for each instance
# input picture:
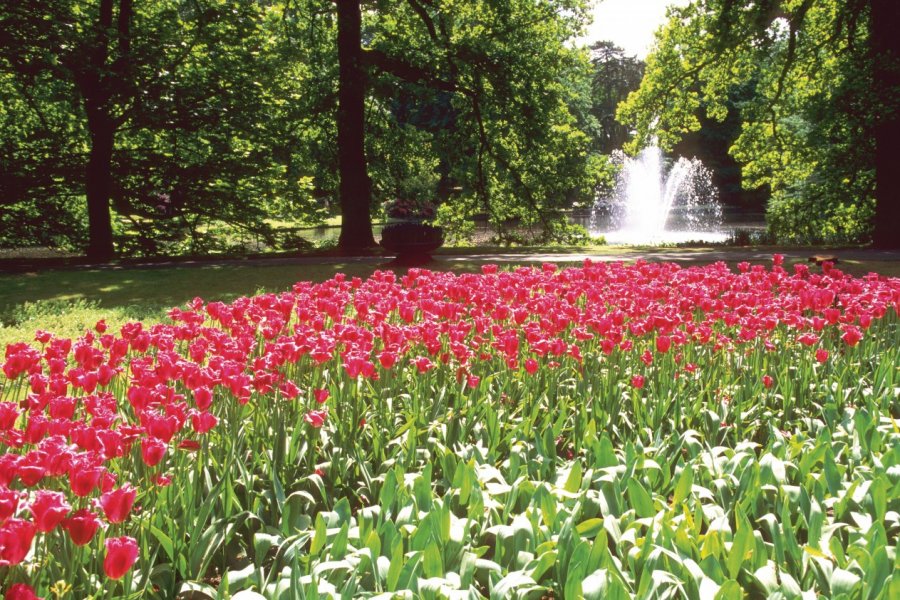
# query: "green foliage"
(225, 118)
(807, 120)
(206, 116)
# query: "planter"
(412, 243)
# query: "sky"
(628, 23)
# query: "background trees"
(820, 117)
(174, 114)
(171, 125)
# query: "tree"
(190, 117)
(821, 121)
(502, 67)
(94, 53)
(614, 76)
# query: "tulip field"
(610, 430)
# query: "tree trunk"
(355, 186)
(885, 47)
(94, 86)
(99, 180)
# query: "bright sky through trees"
(628, 23)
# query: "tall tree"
(94, 52)
(819, 126)
(188, 117)
(355, 187)
(615, 75)
(884, 45)
(502, 65)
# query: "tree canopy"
(168, 126)
(816, 125)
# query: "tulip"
(21, 591)
(9, 503)
(121, 554)
(84, 479)
(16, 536)
(203, 422)
(117, 503)
(82, 526)
(49, 509)
(663, 343)
(316, 418)
(152, 451)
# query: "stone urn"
(411, 242)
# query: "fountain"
(650, 208)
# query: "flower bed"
(603, 431)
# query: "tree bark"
(93, 83)
(99, 180)
(355, 185)
(885, 48)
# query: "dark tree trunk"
(355, 186)
(99, 180)
(885, 46)
(94, 85)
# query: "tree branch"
(425, 18)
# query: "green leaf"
(432, 563)
(573, 481)
(683, 485)
(397, 560)
(339, 545)
(506, 587)
(640, 499)
(730, 590)
(843, 582)
(320, 536)
(742, 545)
(164, 541)
(541, 565)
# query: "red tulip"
(117, 503)
(637, 381)
(83, 479)
(852, 335)
(531, 366)
(316, 418)
(9, 503)
(768, 381)
(321, 395)
(121, 554)
(152, 451)
(663, 343)
(387, 359)
(16, 536)
(21, 591)
(82, 526)
(821, 355)
(203, 422)
(49, 509)
(203, 397)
